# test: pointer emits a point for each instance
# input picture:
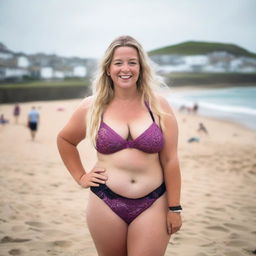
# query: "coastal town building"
(19, 66)
(218, 62)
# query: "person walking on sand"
(16, 113)
(33, 121)
(135, 183)
(202, 128)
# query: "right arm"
(68, 139)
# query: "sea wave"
(234, 104)
(177, 102)
(227, 108)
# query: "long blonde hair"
(103, 88)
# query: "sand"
(42, 210)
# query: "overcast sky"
(86, 27)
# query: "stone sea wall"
(10, 95)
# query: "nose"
(125, 67)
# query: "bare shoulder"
(82, 108)
(85, 104)
(75, 129)
(164, 104)
(169, 118)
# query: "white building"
(46, 73)
(15, 72)
(58, 74)
(22, 62)
(79, 71)
(174, 68)
(5, 56)
(213, 69)
(196, 60)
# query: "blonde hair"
(103, 88)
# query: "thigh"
(147, 234)
(108, 231)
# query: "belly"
(131, 173)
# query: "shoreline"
(165, 92)
(216, 114)
(174, 89)
(213, 86)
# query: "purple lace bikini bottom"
(127, 208)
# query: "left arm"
(170, 164)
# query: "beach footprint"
(61, 243)
(218, 228)
(15, 252)
(9, 239)
(237, 243)
(35, 224)
(235, 226)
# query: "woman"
(16, 112)
(134, 204)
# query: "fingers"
(99, 173)
(175, 229)
(100, 176)
(94, 178)
(174, 222)
(92, 184)
(101, 180)
(172, 229)
(98, 170)
(169, 229)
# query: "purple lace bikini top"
(150, 141)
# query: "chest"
(129, 126)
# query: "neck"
(126, 94)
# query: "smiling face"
(124, 68)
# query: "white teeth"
(125, 77)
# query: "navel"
(133, 180)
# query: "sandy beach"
(42, 210)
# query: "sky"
(85, 28)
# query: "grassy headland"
(202, 48)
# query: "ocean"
(236, 104)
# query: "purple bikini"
(127, 208)
(108, 142)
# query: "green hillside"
(198, 48)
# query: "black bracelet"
(175, 208)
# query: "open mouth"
(125, 77)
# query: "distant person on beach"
(3, 120)
(134, 200)
(16, 112)
(182, 108)
(189, 109)
(202, 128)
(195, 108)
(33, 121)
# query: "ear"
(108, 71)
